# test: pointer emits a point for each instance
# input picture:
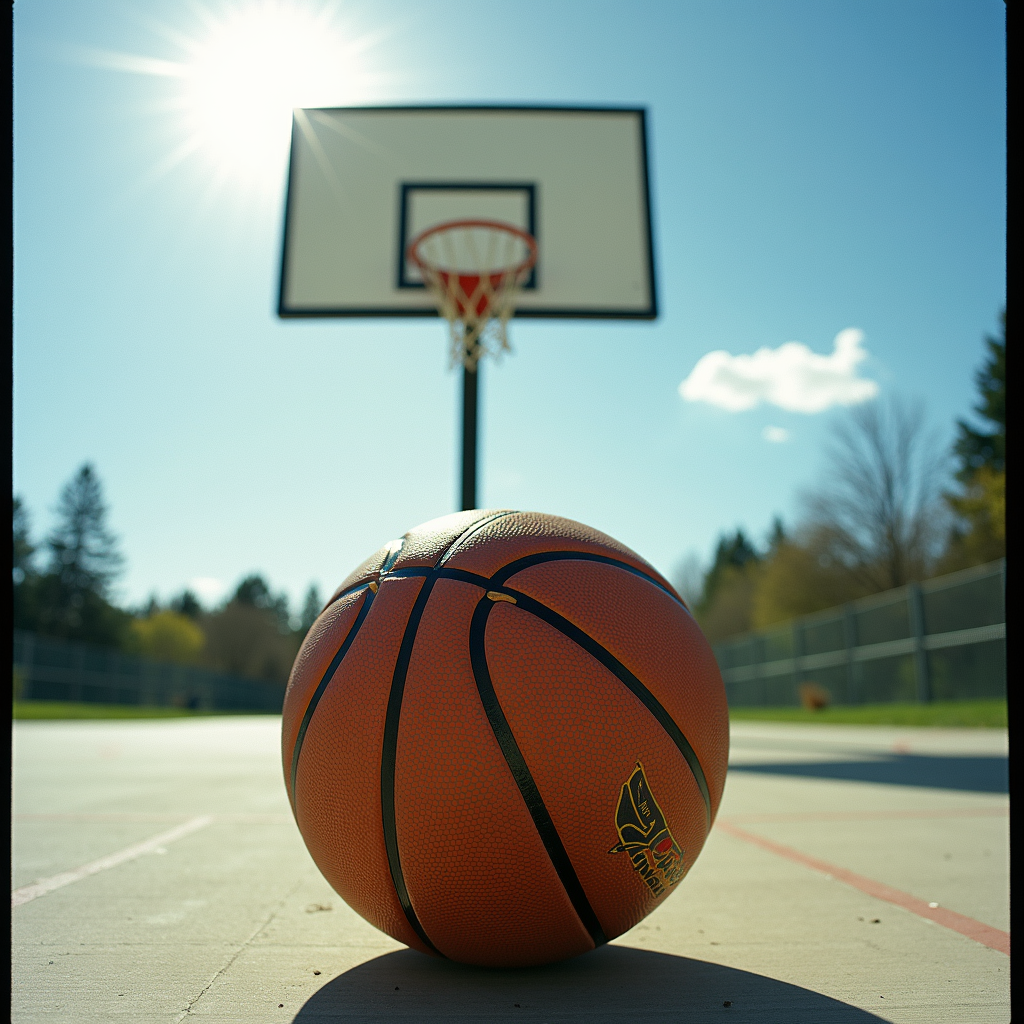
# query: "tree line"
(63, 588)
(892, 507)
(887, 512)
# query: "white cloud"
(206, 588)
(777, 435)
(790, 376)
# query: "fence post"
(850, 639)
(27, 660)
(916, 608)
(78, 691)
(798, 653)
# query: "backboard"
(364, 181)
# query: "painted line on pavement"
(983, 933)
(952, 812)
(27, 893)
(129, 816)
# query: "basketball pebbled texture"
(505, 738)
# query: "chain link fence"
(48, 669)
(944, 639)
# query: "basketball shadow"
(973, 774)
(612, 984)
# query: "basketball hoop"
(475, 268)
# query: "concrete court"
(232, 921)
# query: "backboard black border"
(401, 281)
(650, 313)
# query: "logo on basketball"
(644, 835)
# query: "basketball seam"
(542, 820)
(414, 570)
(388, 757)
(466, 534)
(524, 780)
(527, 561)
(322, 686)
(392, 723)
(588, 644)
(600, 653)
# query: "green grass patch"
(55, 710)
(948, 714)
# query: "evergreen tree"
(83, 552)
(24, 576)
(254, 592)
(311, 608)
(187, 604)
(732, 553)
(70, 599)
(978, 448)
(979, 533)
(24, 549)
(776, 536)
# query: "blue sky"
(816, 168)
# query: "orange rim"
(519, 268)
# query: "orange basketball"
(504, 739)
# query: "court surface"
(855, 874)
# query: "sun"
(251, 70)
(241, 74)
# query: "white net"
(475, 269)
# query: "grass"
(972, 714)
(56, 710)
(958, 714)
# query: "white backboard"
(364, 181)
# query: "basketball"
(504, 739)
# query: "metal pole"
(798, 656)
(917, 629)
(470, 386)
(850, 639)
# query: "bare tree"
(878, 511)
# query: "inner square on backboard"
(427, 204)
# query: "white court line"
(27, 893)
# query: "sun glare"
(242, 73)
(248, 74)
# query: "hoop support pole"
(470, 386)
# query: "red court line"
(983, 933)
(950, 812)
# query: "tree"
(23, 572)
(166, 636)
(688, 579)
(244, 640)
(726, 604)
(83, 552)
(799, 577)
(979, 532)
(731, 610)
(879, 513)
(311, 608)
(978, 448)
(251, 635)
(70, 599)
(187, 604)
(254, 592)
(24, 549)
(732, 552)
(777, 536)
